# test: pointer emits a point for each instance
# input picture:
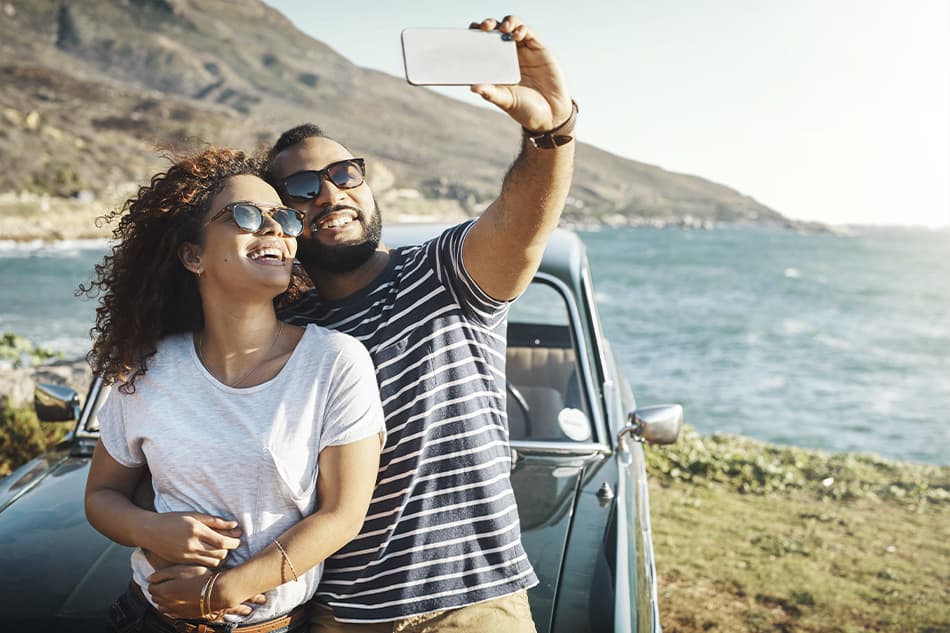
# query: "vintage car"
(577, 470)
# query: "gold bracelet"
(283, 553)
(210, 615)
(203, 596)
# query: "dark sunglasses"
(306, 185)
(249, 217)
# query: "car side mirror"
(659, 424)
(56, 403)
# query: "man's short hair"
(289, 138)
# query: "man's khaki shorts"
(508, 614)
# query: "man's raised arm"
(504, 248)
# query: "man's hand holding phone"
(512, 70)
(541, 100)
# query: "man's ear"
(190, 256)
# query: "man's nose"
(329, 193)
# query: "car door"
(635, 608)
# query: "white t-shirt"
(244, 454)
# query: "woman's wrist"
(226, 592)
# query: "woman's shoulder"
(319, 336)
(320, 342)
(171, 353)
(174, 347)
(164, 365)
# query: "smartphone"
(459, 57)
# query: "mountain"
(89, 90)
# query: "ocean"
(831, 341)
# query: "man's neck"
(336, 286)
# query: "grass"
(755, 537)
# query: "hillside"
(89, 90)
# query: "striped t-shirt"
(442, 530)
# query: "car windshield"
(546, 396)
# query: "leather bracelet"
(561, 135)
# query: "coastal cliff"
(92, 95)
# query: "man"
(441, 544)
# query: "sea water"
(833, 341)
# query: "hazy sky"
(829, 110)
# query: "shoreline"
(43, 220)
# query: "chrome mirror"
(659, 424)
(56, 403)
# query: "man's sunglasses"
(249, 217)
(306, 185)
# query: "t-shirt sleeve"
(446, 251)
(114, 432)
(354, 411)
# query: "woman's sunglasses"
(306, 185)
(249, 217)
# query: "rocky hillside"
(92, 92)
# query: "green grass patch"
(21, 352)
(755, 537)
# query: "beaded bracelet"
(283, 553)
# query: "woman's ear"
(190, 256)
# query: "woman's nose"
(268, 224)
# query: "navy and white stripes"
(442, 530)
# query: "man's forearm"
(503, 251)
(535, 189)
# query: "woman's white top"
(244, 454)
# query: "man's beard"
(343, 258)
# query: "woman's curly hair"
(145, 291)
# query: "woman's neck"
(238, 342)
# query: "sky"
(836, 111)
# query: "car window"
(91, 423)
(546, 396)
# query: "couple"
(264, 432)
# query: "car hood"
(45, 542)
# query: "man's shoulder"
(439, 235)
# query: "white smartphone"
(459, 57)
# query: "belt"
(285, 621)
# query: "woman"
(227, 407)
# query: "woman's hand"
(189, 538)
(177, 589)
